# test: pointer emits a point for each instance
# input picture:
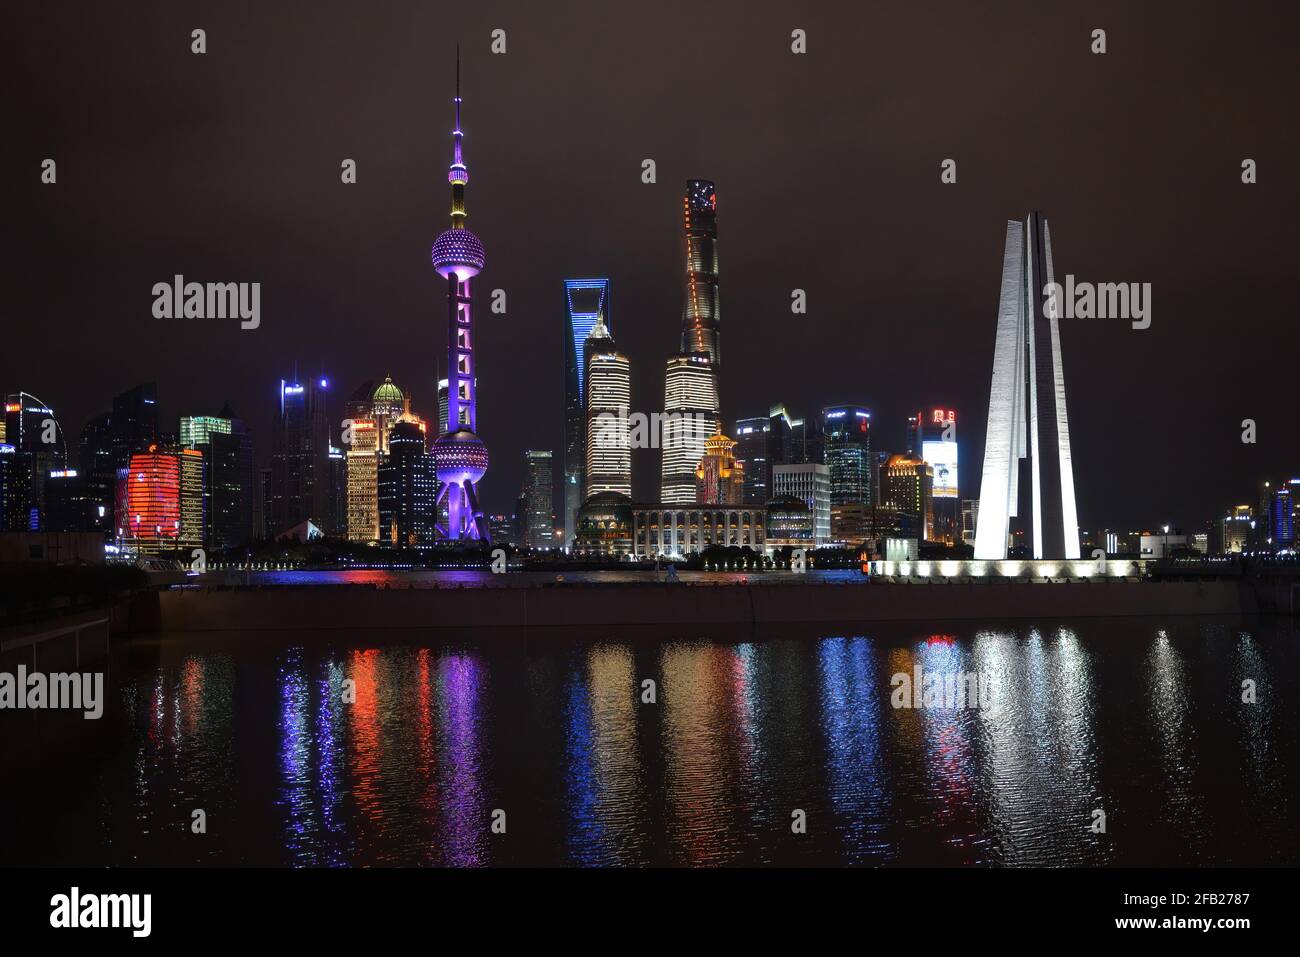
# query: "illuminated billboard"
(942, 457)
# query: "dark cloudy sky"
(225, 167)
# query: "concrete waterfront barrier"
(335, 607)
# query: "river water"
(403, 748)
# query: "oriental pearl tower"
(459, 456)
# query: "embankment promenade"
(340, 607)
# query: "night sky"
(225, 167)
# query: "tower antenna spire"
(458, 173)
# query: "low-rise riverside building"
(674, 531)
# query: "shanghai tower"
(1028, 468)
(459, 455)
(691, 403)
(700, 314)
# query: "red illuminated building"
(153, 501)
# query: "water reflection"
(604, 779)
(852, 715)
(458, 702)
(296, 752)
(1168, 712)
(399, 753)
(182, 757)
(389, 771)
(704, 804)
(1040, 749)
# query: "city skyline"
(376, 491)
(355, 332)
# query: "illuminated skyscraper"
(609, 393)
(153, 501)
(338, 503)
(690, 418)
(538, 519)
(846, 437)
(408, 487)
(846, 434)
(460, 457)
(691, 405)
(385, 406)
(363, 482)
(37, 437)
(810, 483)
(196, 429)
(584, 300)
(300, 470)
(1235, 530)
(751, 451)
(1278, 510)
(193, 500)
(932, 436)
(701, 313)
(227, 448)
(907, 486)
(1027, 414)
(373, 416)
(15, 489)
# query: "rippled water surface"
(558, 739)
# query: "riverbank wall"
(349, 607)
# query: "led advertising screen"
(942, 456)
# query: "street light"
(1166, 551)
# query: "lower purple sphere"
(460, 457)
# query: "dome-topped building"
(719, 478)
(389, 396)
(386, 405)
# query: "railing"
(35, 640)
(26, 729)
(1226, 566)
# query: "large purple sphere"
(459, 456)
(458, 251)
